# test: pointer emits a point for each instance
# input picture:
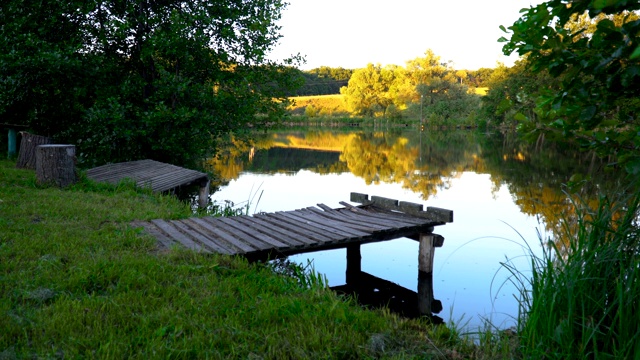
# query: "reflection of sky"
(475, 243)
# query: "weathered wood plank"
(283, 223)
(284, 234)
(374, 218)
(205, 238)
(252, 234)
(352, 224)
(175, 234)
(440, 214)
(338, 231)
(310, 216)
(152, 230)
(267, 236)
(212, 227)
(302, 227)
(385, 215)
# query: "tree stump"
(27, 155)
(56, 164)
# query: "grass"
(582, 300)
(323, 105)
(76, 281)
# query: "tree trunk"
(27, 155)
(56, 164)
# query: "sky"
(353, 33)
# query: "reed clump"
(581, 301)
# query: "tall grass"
(581, 301)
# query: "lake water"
(503, 194)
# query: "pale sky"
(353, 33)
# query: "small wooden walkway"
(304, 230)
(158, 176)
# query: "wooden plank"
(285, 235)
(339, 216)
(205, 238)
(252, 233)
(385, 214)
(359, 198)
(346, 214)
(384, 202)
(195, 235)
(406, 206)
(324, 207)
(374, 218)
(338, 230)
(329, 224)
(354, 228)
(259, 231)
(221, 235)
(241, 236)
(440, 214)
(176, 235)
(302, 227)
(282, 223)
(152, 230)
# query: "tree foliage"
(394, 91)
(128, 79)
(322, 81)
(593, 48)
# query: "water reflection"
(501, 189)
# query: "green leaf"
(502, 39)
(601, 4)
(636, 53)
(520, 117)
(503, 28)
(588, 113)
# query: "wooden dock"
(304, 230)
(158, 176)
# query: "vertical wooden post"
(354, 264)
(203, 197)
(425, 293)
(12, 148)
(425, 273)
(426, 252)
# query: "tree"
(130, 79)
(367, 90)
(597, 105)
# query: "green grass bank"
(76, 281)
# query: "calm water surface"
(503, 193)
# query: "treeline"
(322, 81)
(426, 88)
(326, 80)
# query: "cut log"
(27, 155)
(56, 164)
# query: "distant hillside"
(319, 105)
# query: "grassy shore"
(76, 281)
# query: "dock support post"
(426, 252)
(425, 273)
(354, 264)
(203, 197)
